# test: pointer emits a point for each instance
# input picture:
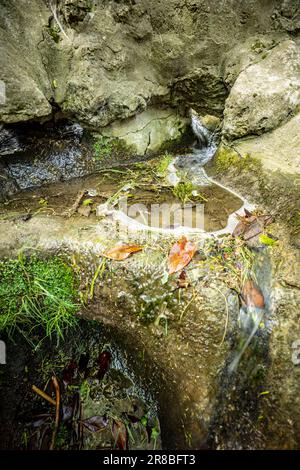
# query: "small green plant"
(54, 32)
(37, 295)
(183, 191)
(103, 148)
(162, 165)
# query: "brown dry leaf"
(182, 282)
(252, 295)
(250, 226)
(121, 252)
(180, 255)
(119, 432)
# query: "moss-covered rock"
(276, 191)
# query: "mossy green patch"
(275, 190)
(227, 159)
(110, 149)
(37, 295)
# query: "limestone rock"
(265, 94)
(278, 150)
(114, 59)
(27, 87)
(148, 131)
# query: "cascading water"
(203, 152)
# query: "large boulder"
(277, 150)
(149, 131)
(265, 94)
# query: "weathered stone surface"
(278, 150)
(148, 131)
(28, 88)
(107, 61)
(264, 94)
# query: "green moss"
(54, 32)
(110, 149)
(228, 159)
(258, 46)
(37, 295)
(103, 147)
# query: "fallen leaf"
(69, 373)
(103, 363)
(182, 282)
(121, 252)
(250, 227)
(95, 423)
(252, 295)
(247, 213)
(180, 255)
(120, 434)
(267, 240)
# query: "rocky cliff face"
(113, 65)
(101, 61)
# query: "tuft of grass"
(183, 191)
(37, 295)
(162, 165)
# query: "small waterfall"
(249, 321)
(201, 132)
(203, 152)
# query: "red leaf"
(104, 363)
(252, 295)
(121, 252)
(69, 373)
(120, 434)
(180, 255)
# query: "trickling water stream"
(242, 377)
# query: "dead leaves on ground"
(180, 255)
(251, 226)
(121, 252)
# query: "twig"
(57, 393)
(43, 395)
(73, 209)
(227, 314)
(195, 295)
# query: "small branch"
(73, 209)
(43, 395)
(57, 393)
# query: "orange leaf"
(180, 255)
(252, 295)
(120, 252)
(120, 434)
